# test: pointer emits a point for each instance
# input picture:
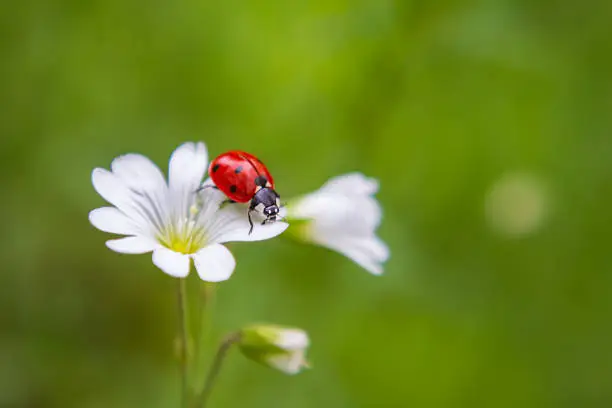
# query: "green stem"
(205, 305)
(183, 339)
(213, 373)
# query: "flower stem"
(206, 298)
(183, 340)
(213, 373)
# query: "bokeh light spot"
(516, 204)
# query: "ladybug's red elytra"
(242, 177)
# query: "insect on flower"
(243, 178)
(170, 218)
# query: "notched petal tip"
(131, 160)
(214, 263)
(97, 171)
(100, 178)
(187, 166)
(191, 146)
(138, 172)
(110, 219)
(189, 151)
(132, 245)
(172, 263)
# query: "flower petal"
(351, 184)
(231, 224)
(186, 170)
(368, 252)
(239, 232)
(214, 263)
(187, 166)
(290, 362)
(132, 245)
(141, 209)
(292, 339)
(354, 215)
(173, 263)
(110, 219)
(110, 187)
(138, 173)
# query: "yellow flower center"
(185, 236)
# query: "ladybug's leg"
(250, 222)
(226, 202)
(271, 221)
(205, 187)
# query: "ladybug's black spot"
(233, 188)
(261, 181)
(238, 170)
(215, 168)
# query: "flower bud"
(282, 348)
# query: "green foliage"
(438, 100)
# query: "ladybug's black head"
(267, 202)
(270, 212)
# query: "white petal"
(141, 209)
(214, 263)
(239, 232)
(372, 246)
(231, 224)
(208, 182)
(351, 184)
(110, 187)
(139, 173)
(110, 219)
(289, 363)
(344, 216)
(368, 252)
(173, 263)
(282, 213)
(379, 248)
(292, 339)
(132, 245)
(354, 215)
(210, 200)
(187, 166)
(366, 263)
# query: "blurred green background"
(488, 124)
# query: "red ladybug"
(242, 177)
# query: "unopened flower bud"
(278, 347)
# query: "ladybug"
(242, 177)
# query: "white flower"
(281, 348)
(342, 215)
(171, 219)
